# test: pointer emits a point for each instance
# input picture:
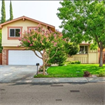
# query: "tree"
(60, 55)
(42, 41)
(3, 15)
(11, 11)
(84, 20)
(71, 48)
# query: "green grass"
(74, 70)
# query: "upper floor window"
(83, 50)
(33, 28)
(14, 32)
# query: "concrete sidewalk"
(63, 80)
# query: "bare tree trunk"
(101, 55)
(44, 62)
(43, 69)
(44, 66)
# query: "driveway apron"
(15, 73)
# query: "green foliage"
(3, 14)
(75, 62)
(94, 46)
(43, 41)
(40, 39)
(59, 57)
(71, 62)
(1, 41)
(71, 48)
(74, 70)
(11, 11)
(101, 74)
(83, 20)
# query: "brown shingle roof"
(27, 18)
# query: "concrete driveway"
(16, 73)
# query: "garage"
(23, 57)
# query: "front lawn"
(74, 70)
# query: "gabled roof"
(27, 18)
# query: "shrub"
(86, 74)
(101, 74)
(72, 62)
(41, 69)
(60, 56)
(48, 65)
(75, 62)
(71, 48)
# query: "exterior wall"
(21, 23)
(4, 57)
(83, 58)
(5, 53)
(12, 43)
(91, 57)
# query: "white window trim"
(14, 33)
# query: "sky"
(44, 11)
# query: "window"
(31, 29)
(14, 33)
(83, 50)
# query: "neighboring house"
(85, 55)
(13, 55)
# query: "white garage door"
(23, 57)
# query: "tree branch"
(97, 40)
(41, 53)
(37, 54)
(52, 56)
(55, 53)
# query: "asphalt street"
(52, 94)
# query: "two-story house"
(11, 32)
(13, 55)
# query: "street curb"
(64, 80)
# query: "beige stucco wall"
(93, 56)
(83, 58)
(20, 23)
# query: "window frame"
(84, 49)
(14, 32)
(14, 37)
(31, 27)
